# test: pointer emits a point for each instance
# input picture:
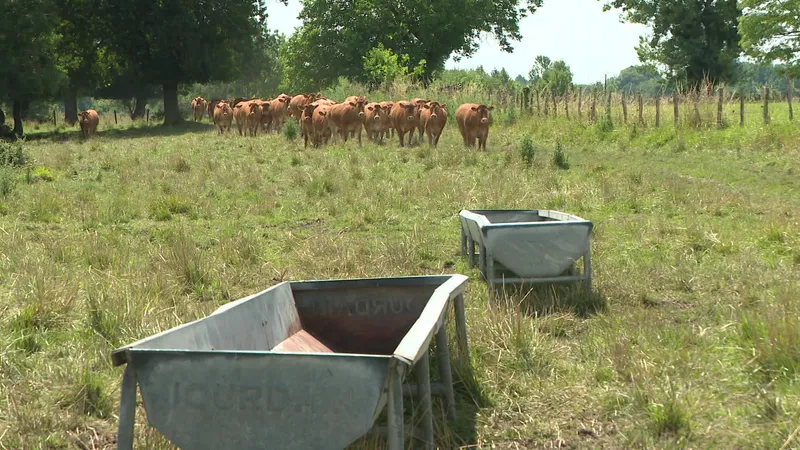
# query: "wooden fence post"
(594, 105)
(658, 110)
(54, 118)
(766, 104)
(566, 104)
(675, 107)
(696, 102)
(555, 103)
(789, 87)
(580, 99)
(546, 104)
(624, 109)
(719, 107)
(741, 107)
(641, 109)
(115, 117)
(526, 94)
(148, 115)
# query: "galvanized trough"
(301, 365)
(527, 246)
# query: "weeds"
(560, 159)
(526, 149)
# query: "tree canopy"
(694, 40)
(185, 42)
(337, 34)
(553, 75)
(770, 31)
(27, 64)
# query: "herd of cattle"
(321, 118)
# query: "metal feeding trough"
(527, 246)
(301, 365)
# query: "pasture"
(692, 340)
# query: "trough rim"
(449, 287)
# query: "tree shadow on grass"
(133, 132)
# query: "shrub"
(526, 149)
(13, 154)
(290, 130)
(560, 159)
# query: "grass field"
(693, 340)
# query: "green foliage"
(526, 149)
(290, 130)
(560, 159)
(383, 66)
(13, 154)
(555, 76)
(694, 40)
(642, 78)
(8, 181)
(770, 31)
(320, 51)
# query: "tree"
(383, 66)
(185, 42)
(27, 67)
(642, 78)
(549, 74)
(694, 39)
(337, 34)
(77, 52)
(558, 77)
(770, 31)
(540, 64)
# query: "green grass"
(690, 342)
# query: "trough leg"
(489, 271)
(445, 373)
(464, 243)
(396, 426)
(127, 410)
(587, 270)
(482, 263)
(422, 372)
(471, 249)
(461, 327)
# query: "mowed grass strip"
(690, 341)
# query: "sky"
(592, 42)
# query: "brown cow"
(433, 119)
(346, 118)
(212, 104)
(306, 123)
(298, 103)
(473, 123)
(88, 119)
(418, 106)
(387, 106)
(223, 116)
(199, 105)
(404, 119)
(278, 108)
(252, 116)
(322, 128)
(356, 99)
(375, 121)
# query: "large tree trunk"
(172, 116)
(17, 110)
(71, 106)
(139, 107)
